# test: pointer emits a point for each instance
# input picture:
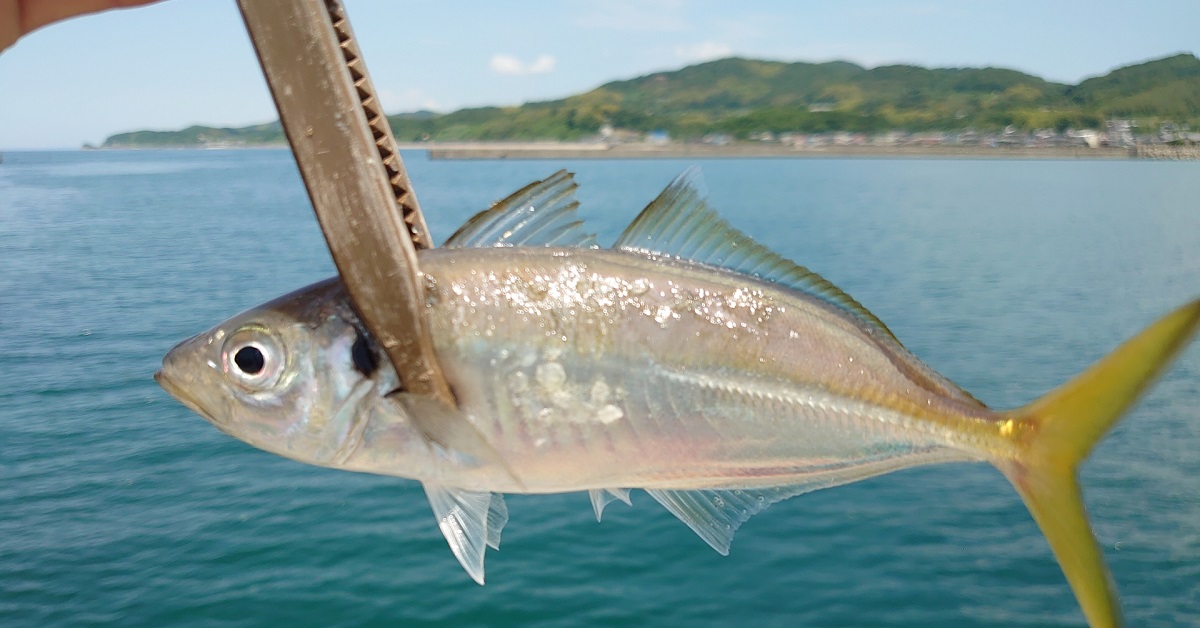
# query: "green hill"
(1167, 87)
(269, 133)
(743, 96)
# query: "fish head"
(289, 376)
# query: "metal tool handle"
(353, 172)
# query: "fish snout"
(180, 376)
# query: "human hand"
(19, 17)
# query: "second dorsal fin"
(680, 223)
(539, 214)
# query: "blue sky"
(186, 62)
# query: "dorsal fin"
(539, 214)
(680, 223)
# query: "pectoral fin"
(452, 433)
(470, 521)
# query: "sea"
(120, 506)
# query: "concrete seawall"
(1174, 153)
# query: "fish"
(686, 360)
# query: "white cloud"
(704, 51)
(509, 65)
(506, 64)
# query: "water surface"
(118, 505)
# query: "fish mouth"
(181, 395)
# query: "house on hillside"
(717, 139)
(612, 135)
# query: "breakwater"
(1169, 152)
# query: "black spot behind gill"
(363, 356)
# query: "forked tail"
(1057, 432)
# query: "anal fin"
(716, 514)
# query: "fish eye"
(250, 360)
(253, 358)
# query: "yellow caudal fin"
(1055, 433)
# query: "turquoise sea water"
(118, 505)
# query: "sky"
(184, 62)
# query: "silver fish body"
(592, 369)
(687, 360)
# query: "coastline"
(548, 150)
(569, 150)
(559, 150)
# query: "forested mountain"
(743, 96)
